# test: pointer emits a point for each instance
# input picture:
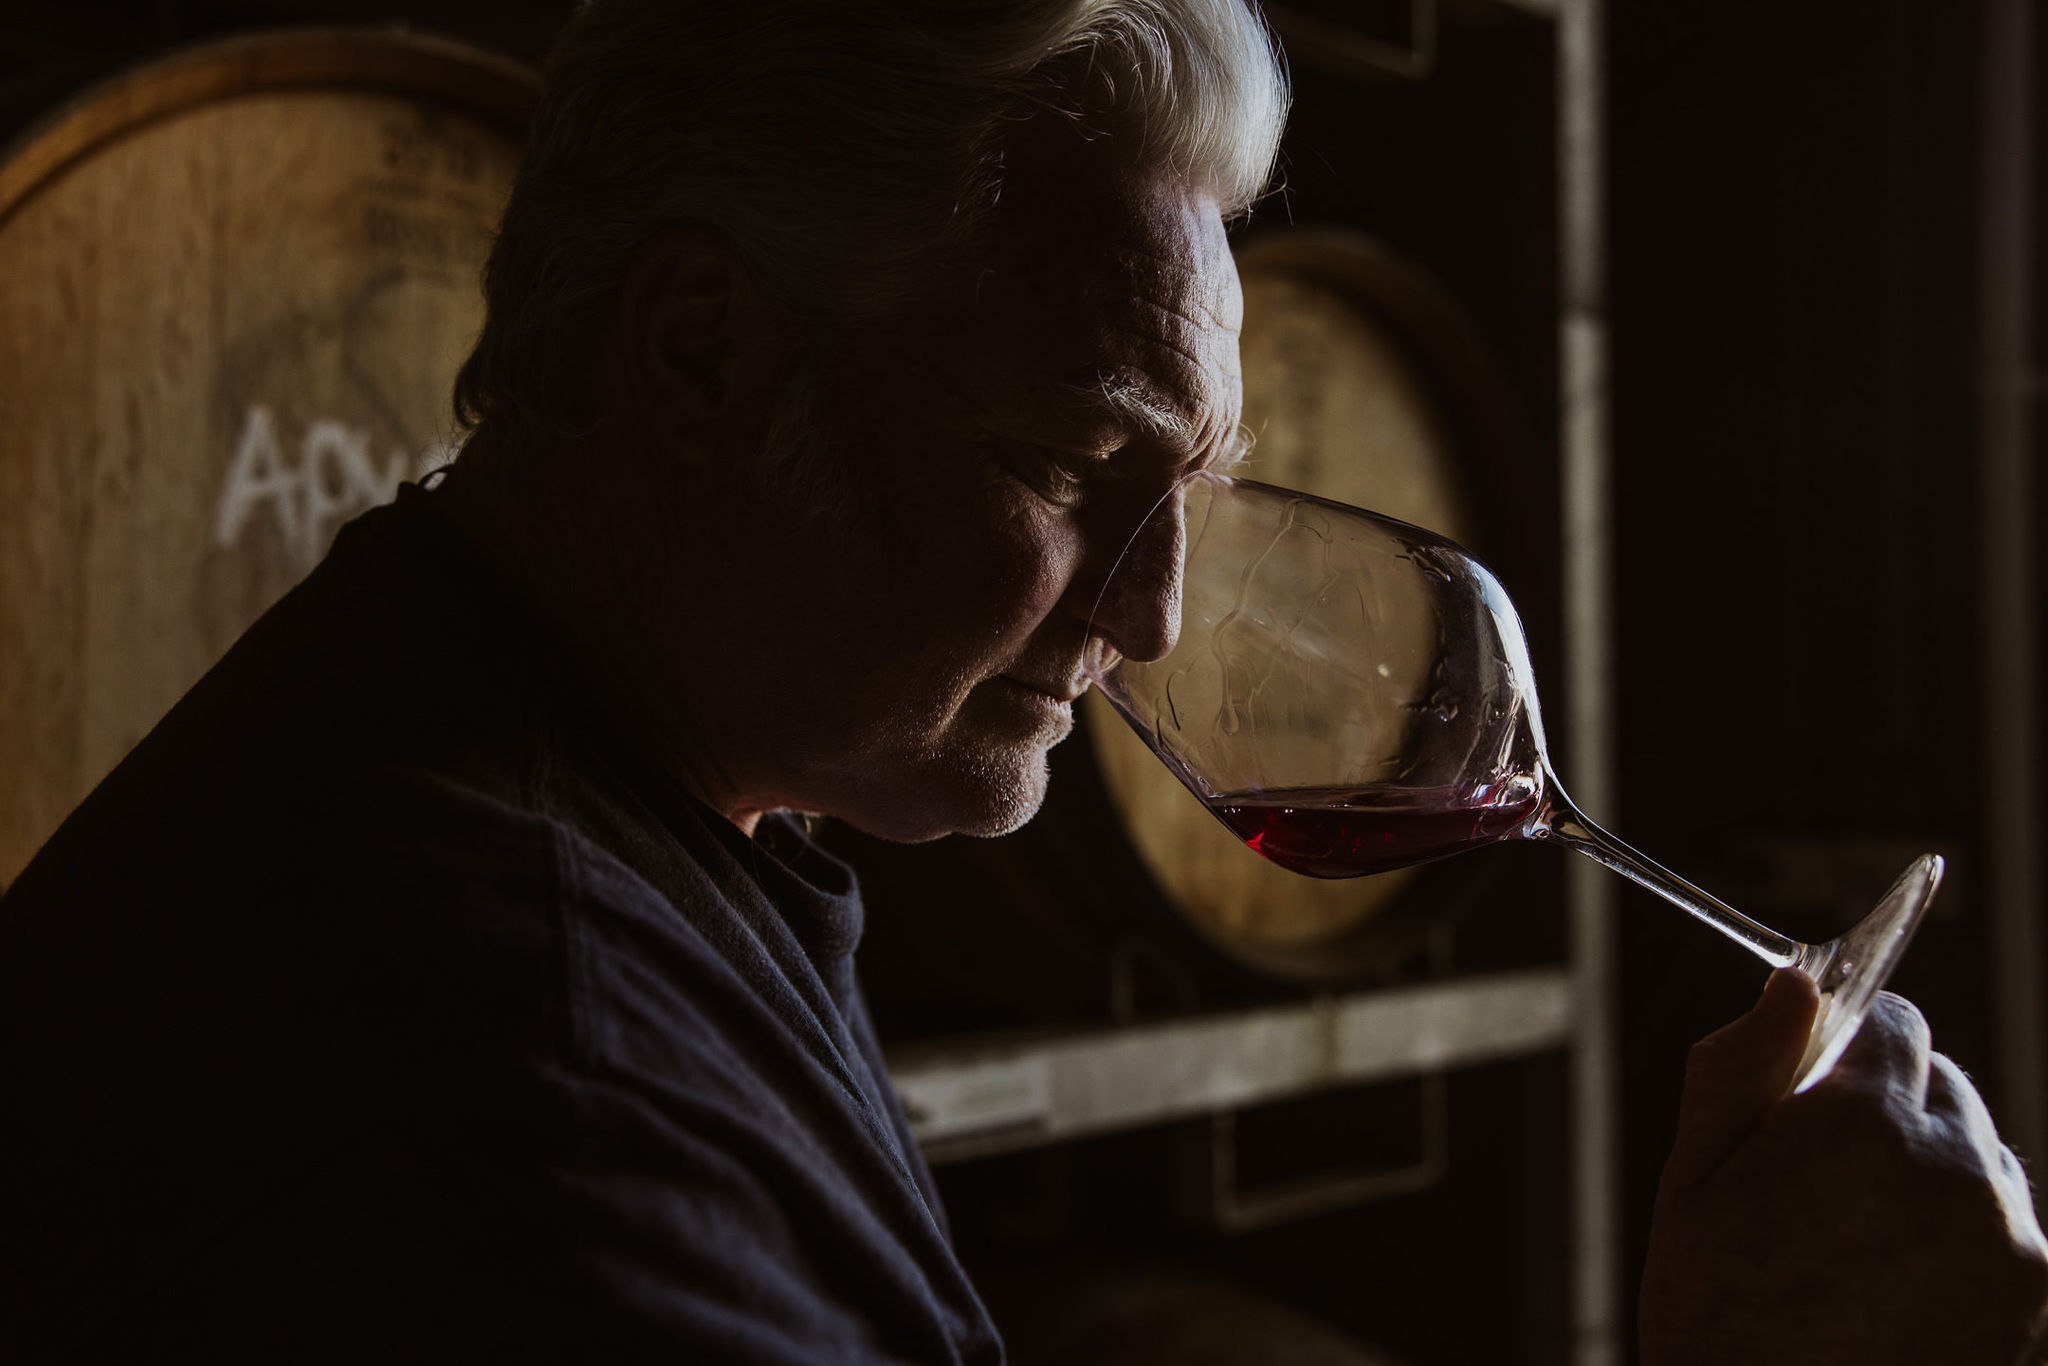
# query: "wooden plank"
(971, 1097)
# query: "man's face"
(1002, 445)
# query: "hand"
(1876, 1218)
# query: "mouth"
(1065, 692)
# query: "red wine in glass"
(1334, 832)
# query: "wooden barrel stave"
(235, 286)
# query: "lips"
(1067, 690)
(1062, 672)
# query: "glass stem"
(1565, 824)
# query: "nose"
(1130, 594)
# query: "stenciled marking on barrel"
(333, 478)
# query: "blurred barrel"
(1363, 382)
(235, 286)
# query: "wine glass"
(1350, 694)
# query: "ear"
(676, 315)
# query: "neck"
(578, 549)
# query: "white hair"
(842, 146)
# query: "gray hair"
(841, 145)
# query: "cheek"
(987, 559)
(1030, 556)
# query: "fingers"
(1736, 1074)
(1785, 1014)
(1890, 1055)
(1892, 1060)
(1962, 1125)
(1952, 1099)
(1965, 1122)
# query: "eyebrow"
(1134, 409)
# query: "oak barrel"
(235, 286)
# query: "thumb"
(1736, 1074)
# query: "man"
(445, 979)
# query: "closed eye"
(1056, 472)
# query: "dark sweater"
(381, 1006)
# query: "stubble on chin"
(1014, 798)
(983, 794)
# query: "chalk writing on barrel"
(334, 477)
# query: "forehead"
(1126, 292)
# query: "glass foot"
(1855, 967)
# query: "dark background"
(1793, 278)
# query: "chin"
(983, 797)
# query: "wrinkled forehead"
(1166, 287)
(1128, 289)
